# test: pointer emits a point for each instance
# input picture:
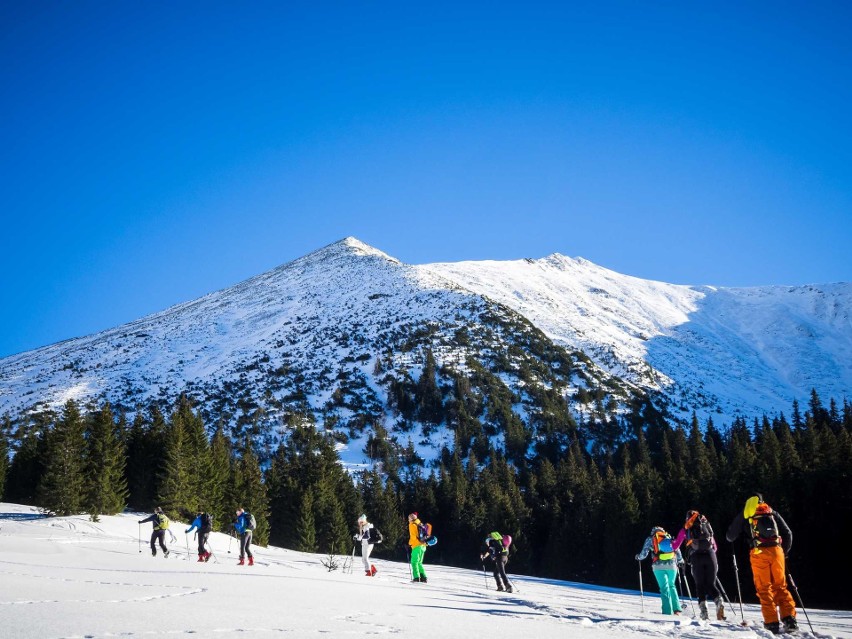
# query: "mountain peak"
(348, 246)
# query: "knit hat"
(362, 519)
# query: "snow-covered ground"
(69, 577)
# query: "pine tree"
(220, 479)
(250, 492)
(306, 527)
(62, 490)
(175, 492)
(427, 395)
(106, 486)
(5, 429)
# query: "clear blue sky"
(152, 152)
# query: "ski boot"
(500, 589)
(251, 561)
(153, 553)
(508, 588)
(241, 562)
(720, 609)
(201, 558)
(373, 570)
(773, 626)
(790, 624)
(702, 608)
(207, 556)
(165, 554)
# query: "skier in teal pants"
(665, 566)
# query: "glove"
(355, 537)
(186, 532)
(638, 558)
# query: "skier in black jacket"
(494, 550)
(161, 524)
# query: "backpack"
(700, 534)
(505, 541)
(764, 528)
(252, 522)
(162, 522)
(206, 522)
(663, 549)
(375, 537)
(424, 534)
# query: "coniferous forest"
(577, 508)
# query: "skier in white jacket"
(368, 535)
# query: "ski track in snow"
(89, 580)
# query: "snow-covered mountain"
(728, 350)
(70, 577)
(334, 333)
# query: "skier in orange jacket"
(770, 539)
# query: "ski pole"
(352, 560)
(209, 548)
(739, 590)
(689, 594)
(641, 589)
(140, 537)
(801, 603)
(230, 539)
(484, 576)
(186, 539)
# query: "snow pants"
(500, 562)
(705, 567)
(202, 541)
(158, 536)
(245, 543)
(666, 580)
(770, 581)
(417, 562)
(366, 549)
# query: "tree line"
(578, 501)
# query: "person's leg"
(154, 542)
(243, 539)
(249, 535)
(162, 539)
(366, 549)
(202, 538)
(662, 577)
(416, 562)
(760, 569)
(501, 566)
(783, 597)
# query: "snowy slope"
(298, 333)
(67, 577)
(716, 350)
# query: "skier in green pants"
(418, 549)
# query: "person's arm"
(151, 518)
(645, 549)
(195, 524)
(785, 532)
(681, 537)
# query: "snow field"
(67, 577)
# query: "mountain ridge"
(323, 330)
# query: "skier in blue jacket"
(244, 525)
(203, 522)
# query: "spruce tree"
(175, 490)
(427, 394)
(106, 486)
(62, 490)
(306, 527)
(220, 480)
(5, 429)
(250, 492)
